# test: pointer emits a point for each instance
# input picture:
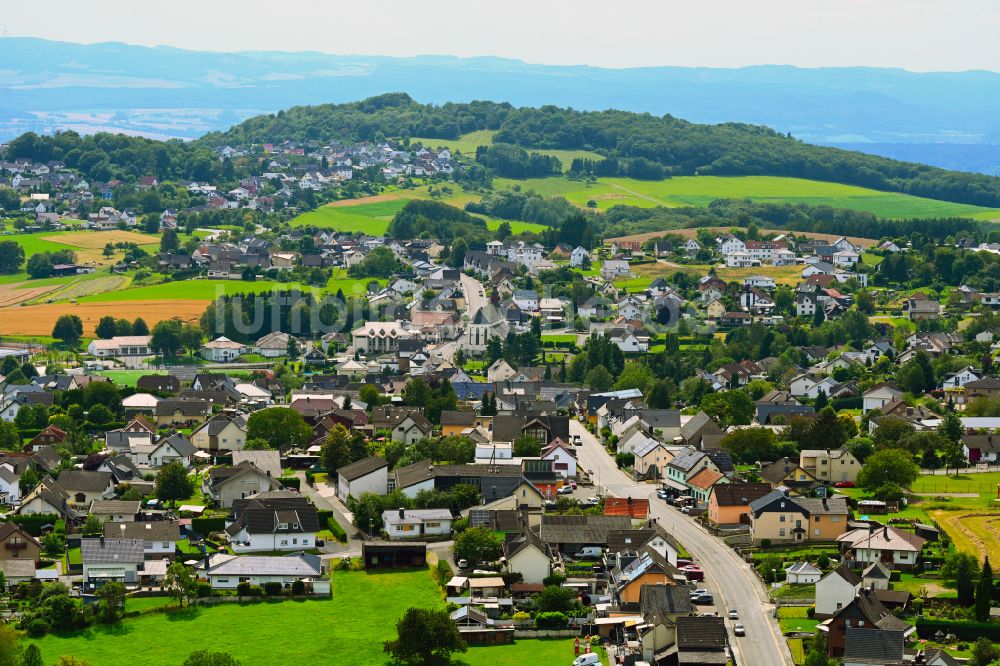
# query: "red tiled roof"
(705, 479)
(622, 506)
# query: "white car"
(565, 490)
(733, 615)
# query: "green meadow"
(467, 144)
(700, 191)
(207, 290)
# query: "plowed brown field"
(39, 319)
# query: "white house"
(759, 281)
(835, 590)
(802, 573)
(159, 537)
(879, 396)
(526, 299)
(613, 268)
(961, 378)
(416, 523)
(578, 257)
(123, 345)
(222, 350)
(226, 572)
(730, 245)
(279, 520)
(810, 387)
(106, 560)
(368, 475)
(529, 556)
(628, 342)
(563, 457)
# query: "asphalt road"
(475, 298)
(731, 581)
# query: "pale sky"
(920, 35)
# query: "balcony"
(15, 545)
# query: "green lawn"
(349, 627)
(207, 290)
(521, 653)
(796, 618)
(798, 654)
(374, 218)
(127, 377)
(794, 592)
(138, 604)
(467, 144)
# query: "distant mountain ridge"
(165, 92)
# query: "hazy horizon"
(914, 35)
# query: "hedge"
(552, 620)
(290, 482)
(337, 530)
(323, 515)
(966, 631)
(33, 523)
(205, 526)
(846, 403)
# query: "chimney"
(402, 512)
(628, 500)
(102, 541)
(885, 532)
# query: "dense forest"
(680, 147)
(634, 144)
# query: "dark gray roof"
(739, 494)
(179, 443)
(581, 529)
(262, 513)
(701, 633)
(111, 551)
(153, 530)
(125, 507)
(361, 468)
(414, 473)
(73, 480)
(875, 645)
(669, 599)
(700, 423)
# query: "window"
(284, 542)
(295, 542)
(781, 532)
(781, 518)
(166, 544)
(816, 532)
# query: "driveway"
(730, 579)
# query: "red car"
(693, 572)
(844, 484)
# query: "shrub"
(256, 591)
(201, 589)
(555, 579)
(521, 616)
(38, 627)
(310, 479)
(444, 573)
(272, 588)
(765, 543)
(290, 482)
(552, 620)
(206, 526)
(298, 588)
(243, 589)
(811, 611)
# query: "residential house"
(222, 350)
(161, 383)
(874, 646)
(729, 503)
(863, 611)
(633, 571)
(368, 475)
(892, 546)
(279, 520)
(802, 573)
(830, 466)
(226, 572)
(528, 555)
(47, 497)
(777, 517)
(115, 511)
(879, 396)
(225, 485)
(786, 473)
(106, 560)
(181, 411)
(222, 432)
(702, 641)
(416, 523)
(380, 336)
(83, 487)
(651, 458)
(159, 537)
(16, 544)
(835, 590)
(562, 456)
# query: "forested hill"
(626, 139)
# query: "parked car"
(844, 484)
(589, 659)
(462, 564)
(588, 553)
(703, 600)
(693, 572)
(739, 629)
(565, 490)
(733, 615)
(685, 509)
(577, 440)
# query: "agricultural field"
(973, 531)
(646, 273)
(372, 215)
(467, 144)
(361, 614)
(38, 320)
(701, 190)
(89, 287)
